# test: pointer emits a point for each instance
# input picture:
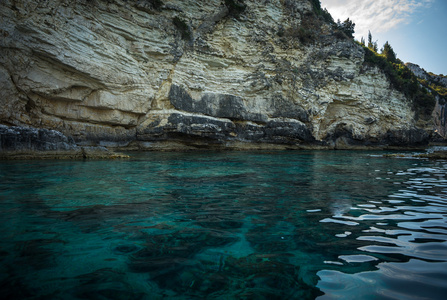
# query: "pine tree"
(348, 27)
(388, 52)
(372, 45)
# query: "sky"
(416, 29)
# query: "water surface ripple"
(225, 225)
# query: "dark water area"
(225, 225)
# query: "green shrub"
(235, 7)
(182, 27)
(304, 34)
(157, 4)
(311, 26)
(327, 16)
(347, 27)
(323, 13)
(440, 90)
(281, 31)
(340, 35)
(403, 80)
(308, 30)
(424, 103)
(388, 52)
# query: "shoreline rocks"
(18, 142)
(31, 143)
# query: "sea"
(225, 225)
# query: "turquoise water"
(225, 225)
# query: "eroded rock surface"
(30, 143)
(122, 74)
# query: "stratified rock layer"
(124, 74)
(30, 143)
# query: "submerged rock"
(433, 155)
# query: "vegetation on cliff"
(435, 86)
(400, 76)
(235, 8)
(422, 93)
(312, 23)
(320, 12)
(183, 27)
(157, 4)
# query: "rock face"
(29, 143)
(440, 111)
(421, 73)
(176, 73)
(16, 138)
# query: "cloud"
(376, 15)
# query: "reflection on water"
(226, 225)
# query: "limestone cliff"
(422, 74)
(437, 86)
(183, 73)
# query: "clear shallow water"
(225, 225)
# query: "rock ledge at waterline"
(120, 74)
(31, 143)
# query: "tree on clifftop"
(372, 45)
(388, 52)
(347, 27)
